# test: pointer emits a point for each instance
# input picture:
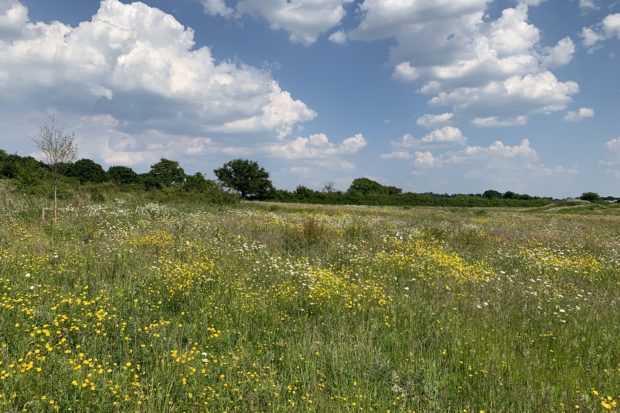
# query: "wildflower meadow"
(129, 306)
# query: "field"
(134, 307)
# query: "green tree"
(246, 177)
(590, 196)
(167, 173)
(365, 186)
(86, 170)
(122, 175)
(29, 173)
(197, 183)
(305, 192)
(492, 194)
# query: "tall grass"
(129, 306)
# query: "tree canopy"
(365, 186)
(246, 177)
(167, 173)
(590, 196)
(122, 175)
(86, 170)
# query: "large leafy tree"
(86, 170)
(365, 186)
(167, 173)
(590, 196)
(245, 176)
(122, 174)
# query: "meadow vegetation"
(130, 305)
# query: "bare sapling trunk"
(56, 147)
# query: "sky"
(444, 96)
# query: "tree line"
(243, 177)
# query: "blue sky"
(445, 96)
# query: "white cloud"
(607, 29)
(425, 160)
(397, 155)
(98, 137)
(587, 5)
(613, 146)
(519, 159)
(532, 3)
(383, 18)
(339, 37)
(579, 114)
(317, 146)
(280, 114)
(419, 159)
(513, 97)
(305, 20)
(217, 8)
(459, 55)
(447, 135)
(13, 17)
(561, 54)
(497, 150)
(431, 120)
(494, 121)
(140, 65)
(591, 37)
(405, 72)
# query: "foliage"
(166, 173)
(11, 166)
(590, 196)
(86, 170)
(365, 186)
(304, 194)
(247, 177)
(122, 175)
(492, 194)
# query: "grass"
(131, 306)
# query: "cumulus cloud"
(498, 156)
(397, 155)
(419, 159)
(579, 114)
(587, 5)
(609, 28)
(494, 152)
(317, 146)
(338, 37)
(447, 135)
(613, 146)
(532, 3)
(141, 66)
(561, 54)
(457, 54)
(217, 8)
(405, 72)
(99, 137)
(494, 121)
(425, 159)
(513, 97)
(304, 20)
(431, 121)
(13, 17)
